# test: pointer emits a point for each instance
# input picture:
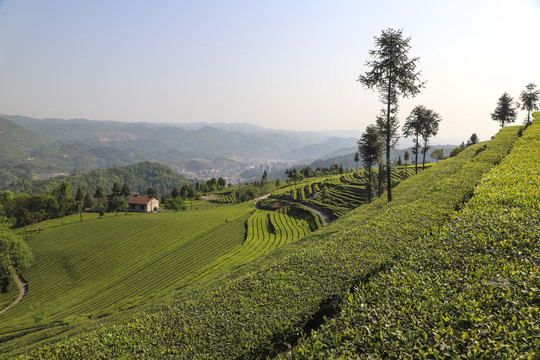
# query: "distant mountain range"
(178, 143)
(42, 148)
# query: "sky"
(289, 65)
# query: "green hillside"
(470, 289)
(16, 142)
(16, 159)
(26, 155)
(262, 308)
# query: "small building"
(142, 203)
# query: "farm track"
(23, 289)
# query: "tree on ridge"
(505, 112)
(529, 100)
(430, 128)
(356, 160)
(412, 127)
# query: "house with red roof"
(143, 203)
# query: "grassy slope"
(263, 307)
(469, 290)
(100, 266)
(86, 267)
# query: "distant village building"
(142, 203)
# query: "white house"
(142, 203)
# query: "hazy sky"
(279, 64)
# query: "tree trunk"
(416, 155)
(424, 156)
(388, 140)
(369, 184)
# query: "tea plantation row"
(262, 308)
(471, 289)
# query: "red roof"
(140, 199)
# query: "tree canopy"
(424, 123)
(14, 252)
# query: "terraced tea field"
(336, 195)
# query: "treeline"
(105, 190)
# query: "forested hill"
(17, 142)
(27, 154)
(138, 176)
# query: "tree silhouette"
(505, 112)
(472, 140)
(529, 100)
(430, 128)
(412, 127)
(99, 195)
(126, 191)
(356, 160)
(393, 74)
(437, 154)
(369, 149)
(79, 200)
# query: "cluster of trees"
(211, 185)
(393, 74)
(176, 201)
(295, 176)
(471, 141)
(506, 110)
(24, 209)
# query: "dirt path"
(325, 218)
(257, 200)
(22, 290)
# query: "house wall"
(154, 203)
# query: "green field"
(262, 308)
(92, 266)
